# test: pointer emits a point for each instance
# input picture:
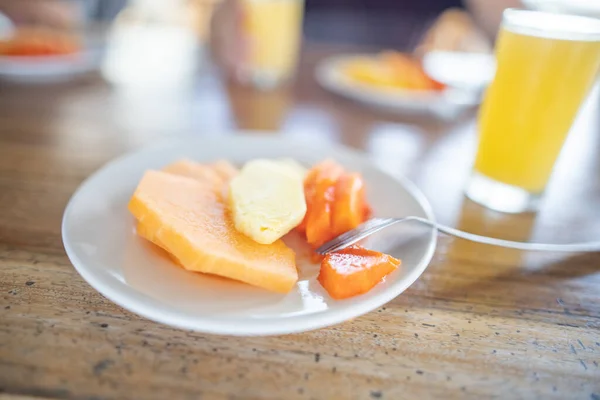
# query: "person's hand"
(488, 14)
(229, 46)
(49, 13)
(454, 30)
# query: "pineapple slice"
(267, 199)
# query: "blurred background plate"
(50, 68)
(463, 70)
(445, 104)
(57, 68)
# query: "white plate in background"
(469, 71)
(446, 103)
(99, 237)
(48, 69)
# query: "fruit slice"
(318, 220)
(267, 200)
(409, 72)
(350, 203)
(34, 41)
(369, 71)
(189, 220)
(148, 233)
(309, 192)
(194, 170)
(353, 271)
(367, 211)
(198, 172)
(293, 167)
(224, 169)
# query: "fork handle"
(575, 247)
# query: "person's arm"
(57, 14)
(488, 13)
(454, 30)
(227, 44)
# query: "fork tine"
(347, 236)
(354, 235)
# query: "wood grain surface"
(480, 323)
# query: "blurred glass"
(546, 65)
(257, 41)
(157, 44)
(272, 29)
(258, 109)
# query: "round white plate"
(468, 71)
(49, 69)
(100, 240)
(446, 104)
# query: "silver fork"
(376, 224)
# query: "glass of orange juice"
(546, 65)
(272, 31)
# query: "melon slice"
(194, 170)
(224, 169)
(189, 219)
(200, 172)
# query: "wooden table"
(481, 322)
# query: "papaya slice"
(309, 192)
(354, 271)
(318, 216)
(350, 203)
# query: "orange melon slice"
(208, 174)
(224, 169)
(217, 173)
(189, 219)
(194, 170)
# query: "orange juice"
(273, 30)
(546, 65)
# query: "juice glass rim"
(551, 25)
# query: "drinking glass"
(272, 30)
(546, 65)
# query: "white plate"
(446, 104)
(49, 69)
(469, 71)
(100, 240)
